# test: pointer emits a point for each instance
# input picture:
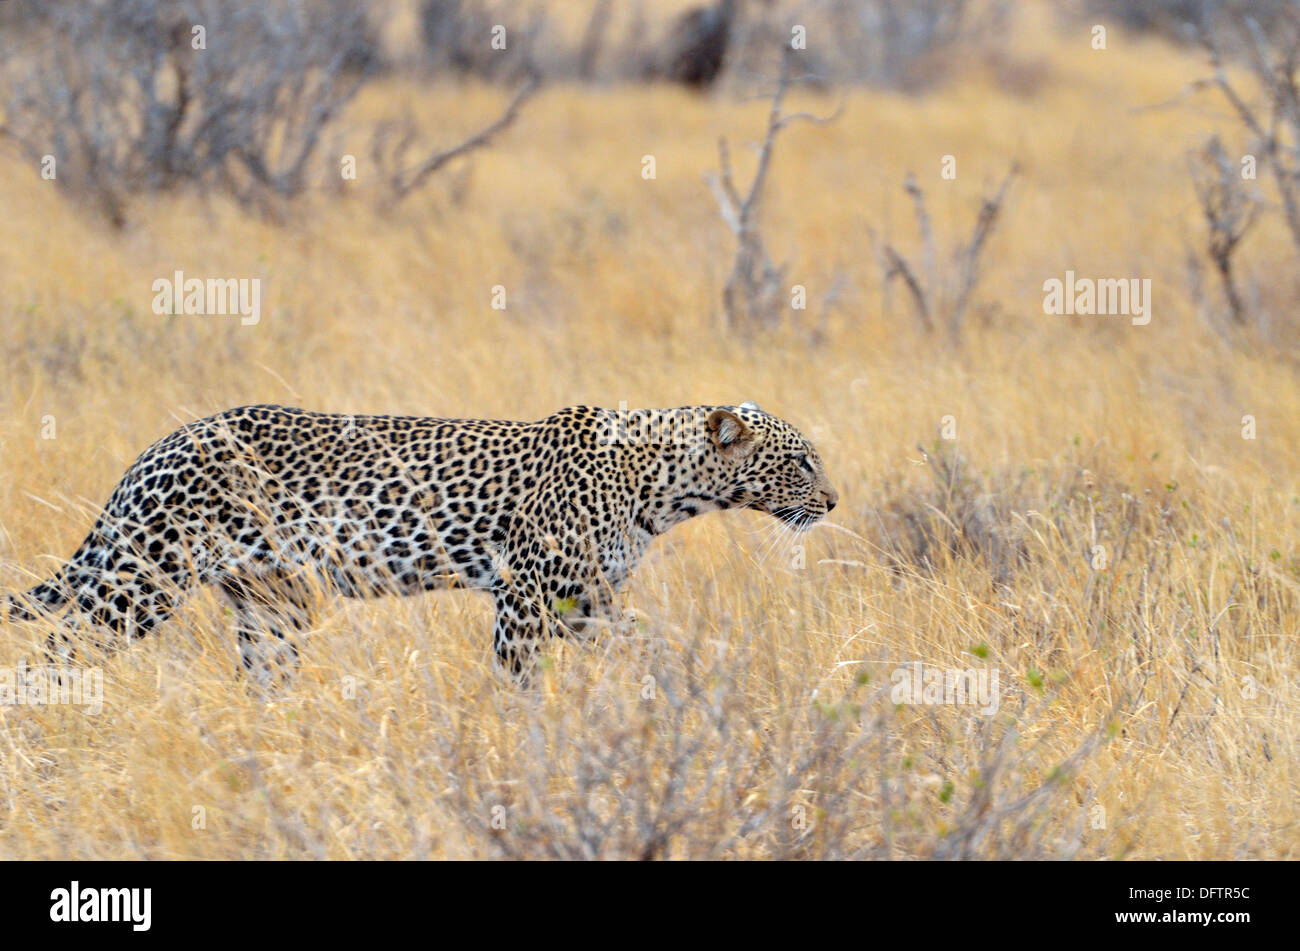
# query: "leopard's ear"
(729, 433)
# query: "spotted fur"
(267, 503)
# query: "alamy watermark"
(1103, 297)
(924, 684)
(213, 297)
(684, 426)
(46, 686)
(80, 904)
(645, 427)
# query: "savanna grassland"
(1147, 696)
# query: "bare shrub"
(880, 42)
(1229, 211)
(942, 300)
(1170, 18)
(454, 33)
(682, 763)
(121, 98)
(959, 516)
(905, 46)
(1272, 54)
(753, 293)
(1060, 528)
(593, 39)
(889, 40)
(1186, 20)
(458, 37)
(1124, 559)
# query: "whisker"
(779, 536)
(771, 543)
(766, 534)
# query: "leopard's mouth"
(796, 516)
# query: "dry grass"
(749, 713)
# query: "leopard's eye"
(804, 464)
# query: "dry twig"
(753, 287)
(405, 178)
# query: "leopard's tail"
(86, 564)
(45, 597)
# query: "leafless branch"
(404, 181)
(990, 209)
(933, 294)
(1275, 124)
(753, 287)
(1229, 213)
(896, 265)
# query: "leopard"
(269, 505)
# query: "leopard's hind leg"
(272, 612)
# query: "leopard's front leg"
(517, 634)
(530, 614)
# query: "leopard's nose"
(832, 497)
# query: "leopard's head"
(770, 466)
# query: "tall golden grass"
(1148, 705)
